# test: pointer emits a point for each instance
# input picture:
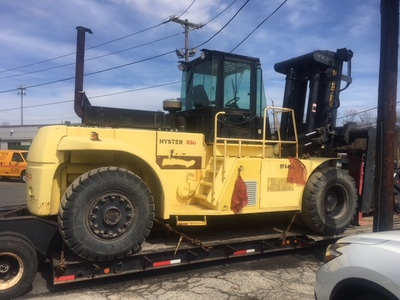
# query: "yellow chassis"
(186, 176)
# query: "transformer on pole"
(189, 52)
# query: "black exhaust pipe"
(80, 98)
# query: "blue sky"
(38, 41)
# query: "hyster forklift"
(217, 151)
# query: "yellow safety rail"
(263, 143)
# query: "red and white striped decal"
(166, 263)
(241, 252)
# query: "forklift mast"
(312, 90)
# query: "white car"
(362, 267)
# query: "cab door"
(17, 164)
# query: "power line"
(131, 63)
(359, 112)
(136, 90)
(99, 45)
(259, 25)
(38, 105)
(135, 47)
(37, 71)
(220, 13)
(124, 37)
(37, 63)
(40, 84)
(96, 72)
(223, 26)
(190, 5)
(97, 96)
(97, 57)
(96, 46)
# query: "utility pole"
(386, 120)
(22, 92)
(187, 26)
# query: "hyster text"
(171, 142)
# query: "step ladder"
(205, 193)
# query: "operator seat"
(200, 97)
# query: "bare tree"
(362, 119)
(350, 116)
(366, 119)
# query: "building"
(18, 136)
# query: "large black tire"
(106, 214)
(18, 264)
(329, 201)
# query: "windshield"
(237, 85)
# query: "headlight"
(333, 251)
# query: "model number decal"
(176, 142)
(286, 166)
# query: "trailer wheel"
(18, 265)
(106, 214)
(329, 201)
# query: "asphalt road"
(12, 192)
(284, 275)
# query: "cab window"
(237, 85)
(17, 158)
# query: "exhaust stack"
(80, 98)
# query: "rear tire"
(329, 201)
(18, 264)
(106, 214)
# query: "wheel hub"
(110, 215)
(335, 202)
(11, 270)
(4, 267)
(330, 203)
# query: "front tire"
(24, 176)
(329, 201)
(18, 265)
(106, 214)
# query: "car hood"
(372, 238)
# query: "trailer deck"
(169, 246)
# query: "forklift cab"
(219, 81)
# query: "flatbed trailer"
(166, 247)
